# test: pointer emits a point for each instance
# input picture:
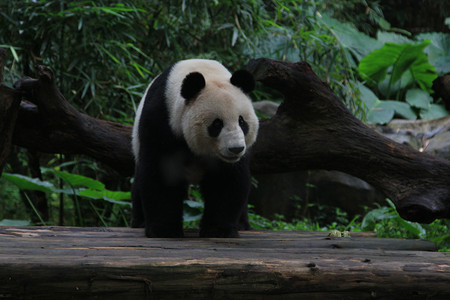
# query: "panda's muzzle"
(232, 145)
(236, 150)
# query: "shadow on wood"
(311, 130)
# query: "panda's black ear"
(243, 80)
(192, 84)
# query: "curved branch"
(314, 130)
(311, 130)
(55, 126)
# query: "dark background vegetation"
(105, 53)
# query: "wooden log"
(9, 108)
(55, 126)
(322, 133)
(120, 263)
(311, 130)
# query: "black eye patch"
(215, 128)
(243, 125)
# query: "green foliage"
(8, 222)
(407, 64)
(391, 65)
(80, 187)
(404, 70)
(438, 51)
(105, 53)
(386, 222)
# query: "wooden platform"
(120, 263)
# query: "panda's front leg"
(161, 200)
(225, 191)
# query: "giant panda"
(194, 125)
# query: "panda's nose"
(236, 150)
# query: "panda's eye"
(215, 128)
(243, 125)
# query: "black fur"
(215, 128)
(159, 187)
(243, 80)
(244, 125)
(192, 85)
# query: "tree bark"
(52, 125)
(311, 130)
(9, 108)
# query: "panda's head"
(218, 118)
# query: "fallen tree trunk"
(52, 125)
(311, 130)
(9, 108)
(314, 130)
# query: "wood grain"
(120, 263)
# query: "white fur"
(219, 99)
(210, 69)
(135, 134)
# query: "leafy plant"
(386, 222)
(401, 70)
(81, 187)
(404, 64)
(396, 69)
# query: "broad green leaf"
(388, 89)
(357, 42)
(28, 183)
(194, 204)
(398, 59)
(391, 37)
(401, 108)
(375, 215)
(367, 96)
(379, 115)
(188, 217)
(76, 180)
(107, 195)
(412, 227)
(384, 111)
(8, 222)
(418, 98)
(438, 51)
(192, 210)
(434, 111)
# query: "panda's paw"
(137, 224)
(244, 226)
(162, 232)
(219, 232)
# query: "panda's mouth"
(229, 159)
